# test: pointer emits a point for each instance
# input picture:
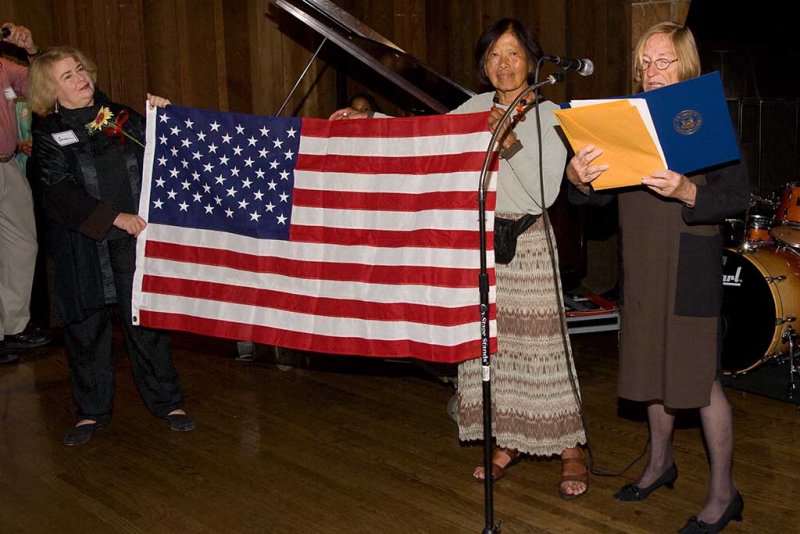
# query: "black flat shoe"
(30, 338)
(8, 357)
(732, 512)
(632, 492)
(180, 422)
(78, 435)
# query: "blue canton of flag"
(224, 171)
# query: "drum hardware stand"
(791, 336)
(788, 248)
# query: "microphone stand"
(483, 282)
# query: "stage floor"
(348, 445)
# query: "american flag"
(354, 237)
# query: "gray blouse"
(518, 188)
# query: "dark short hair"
(366, 96)
(533, 50)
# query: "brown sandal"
(502, 459)
(573, 469)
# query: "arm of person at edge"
(67, 202)
(20, 36)
(724, 194)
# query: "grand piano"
(423, 90)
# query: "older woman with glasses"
(672, 291)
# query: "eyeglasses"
(661, 64)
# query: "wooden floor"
(346, 445)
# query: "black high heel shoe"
(632, 492)
(732, 512)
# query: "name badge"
(65, 138)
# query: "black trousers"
(91, 356)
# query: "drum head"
(787, 234)
(748, 313)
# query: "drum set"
(761, 281)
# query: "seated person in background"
(363, 102)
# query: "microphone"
(584, 67)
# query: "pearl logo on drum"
(733, 280)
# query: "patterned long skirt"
(536, 407)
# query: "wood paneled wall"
(112, 33)
(245, 55)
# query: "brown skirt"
(536, 409)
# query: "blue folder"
(693, 123)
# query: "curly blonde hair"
(42, 84)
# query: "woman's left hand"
(507, 137)
(157, 101)
(671, 184)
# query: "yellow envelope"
(617, 129)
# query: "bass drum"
(761, 299)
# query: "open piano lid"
(378, 53)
